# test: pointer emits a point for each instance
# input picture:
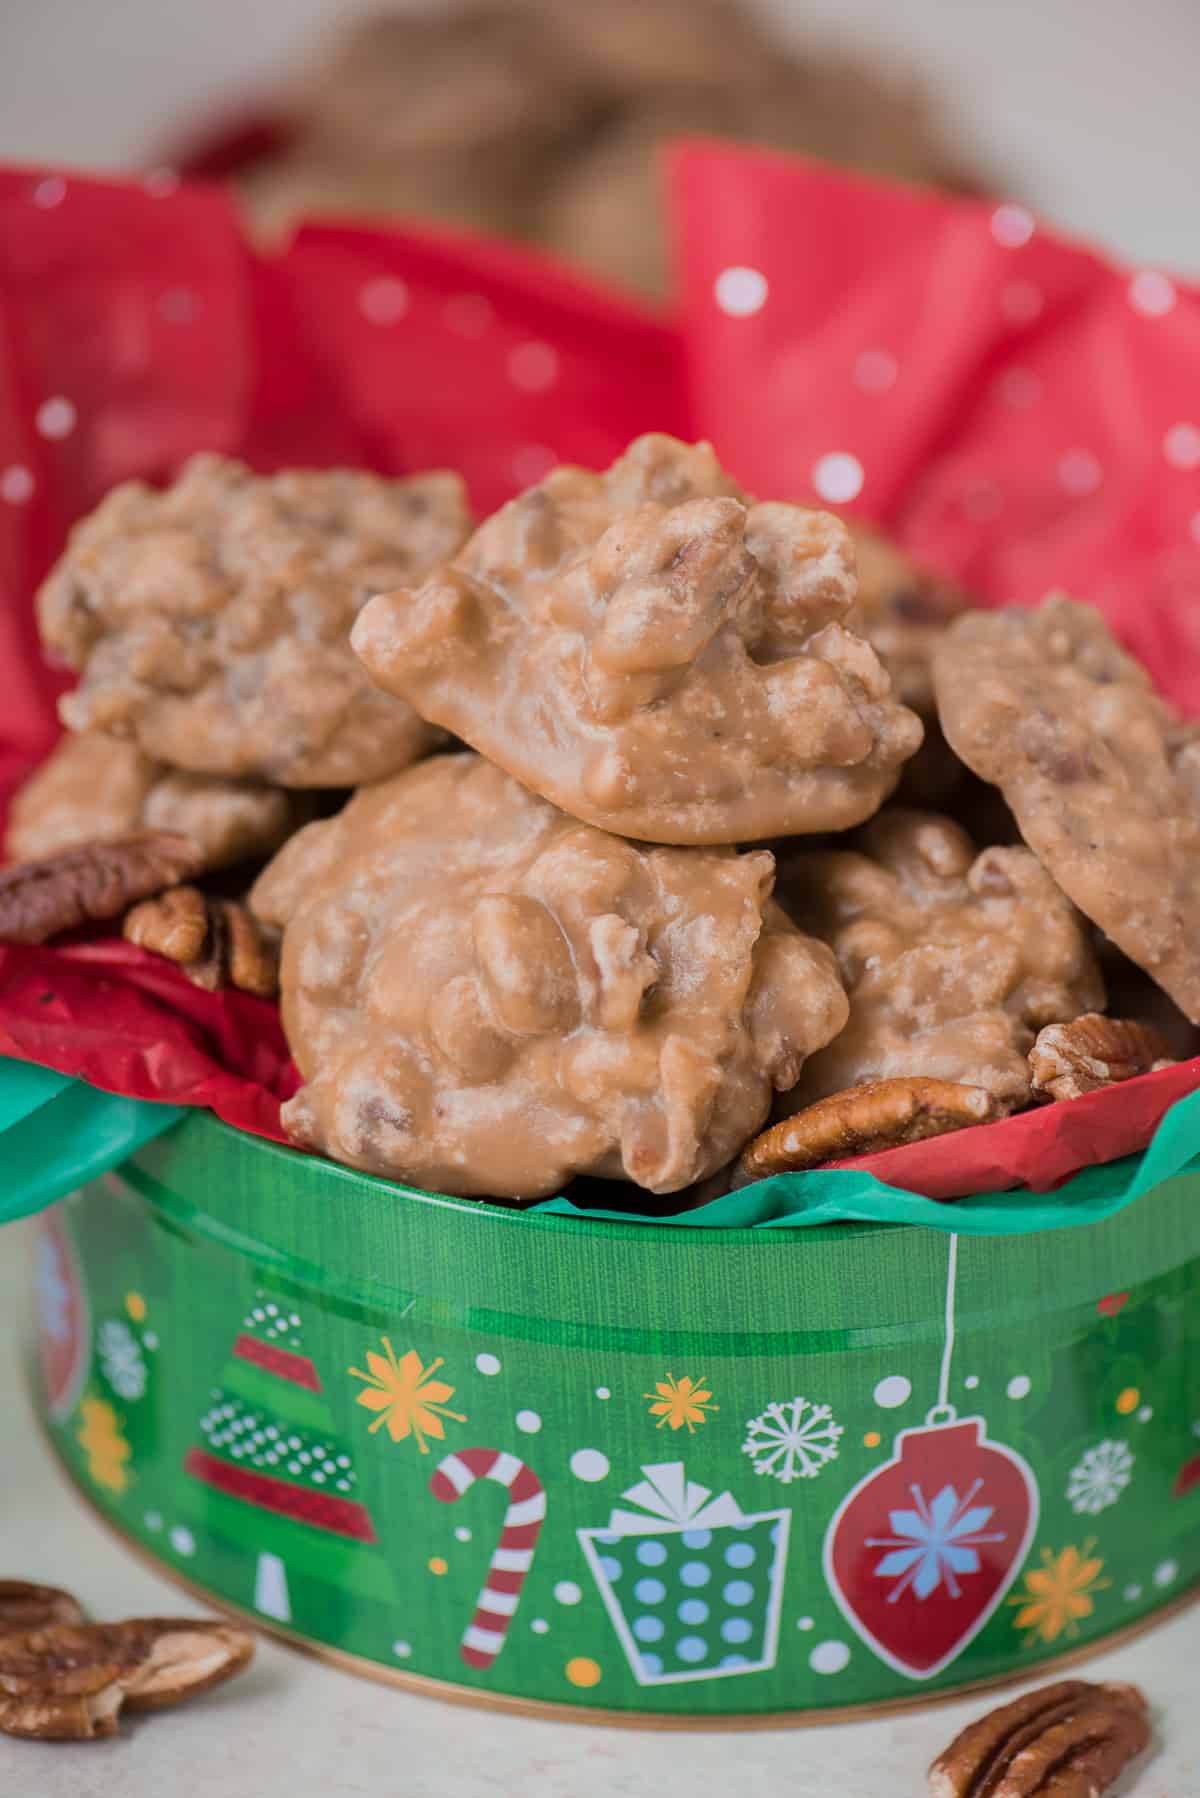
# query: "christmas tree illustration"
(280, 1480)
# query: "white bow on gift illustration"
(692, 1584)
(668, 1500)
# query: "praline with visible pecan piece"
(656, 655)
(93, 787)
(487, 998)
(1102, 776)
(210, 623)
(952, 960)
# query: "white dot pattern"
(384, 300)
(16, 485)
(269, 1322)
(1181, 445)
(1079, 472)
(875, 371)
(1011, 226)
(533, 367)
(56, 418)
(740, 292)
(589, 1464)
(50, 192)
(829, 1657)
(838, 477)
(238, 1431)
(1151, 293)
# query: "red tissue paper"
(1017, 411)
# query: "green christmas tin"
(650, 1470)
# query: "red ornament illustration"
(513, 1556)
(64, 1323)
(922, 1551)
(1111, 1303)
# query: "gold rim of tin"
(551, 1710)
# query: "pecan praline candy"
(656, 654)
(486, 997)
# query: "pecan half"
(880, 1115)
(89, 883)
(216, 942)
(24, 1606)
(1068, 1060)
(68, 1682)
(1068, 1740)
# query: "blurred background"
(539, 118)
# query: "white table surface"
(293, 1728)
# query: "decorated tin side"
(646, 1470)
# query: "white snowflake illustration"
(792, 1440)
(53, 1293)
(934, 1543)
(1100, 1477)
(121, 1359)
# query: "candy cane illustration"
(513, 1556)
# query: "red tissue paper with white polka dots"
(136, 327)
(1020, 413)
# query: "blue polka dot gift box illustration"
(692, 1584)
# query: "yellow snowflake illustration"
(407, 1397)
(101, 1438)
(1058, 1593)
(680, 1402)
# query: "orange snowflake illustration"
(1058, 1593)
(407, 1397)
(680, 1402)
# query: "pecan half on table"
(1068, 1740)
(1068, 1060)
(90, 883)
(69, 1682)
(879, 1115)
(25, 1606)
(217, 942)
